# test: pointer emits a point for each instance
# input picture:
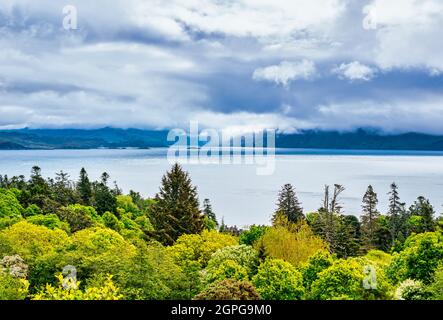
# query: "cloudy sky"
(245, 64)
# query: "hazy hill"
(135, 138)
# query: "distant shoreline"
(278, 151)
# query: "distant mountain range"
(113, 138)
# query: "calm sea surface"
(240, 195)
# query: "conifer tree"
(369, 218)
(176, 210)
(208, 212)
(84, 188)
(423, 208)
(397, 216)
(288, 204)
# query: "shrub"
(227, 269)
(436, 287)
(294, 244)
(229, 290)
(252, 235)
(107, 291)
(12, 288)
(98, 250)
(200, 247)
(50, 221)
(316, 264)
(31, 241)
(10, 207)
(244, 256)
(345, 279)
(78, 217)
(412, 290)
(419, 259)
(278, 280)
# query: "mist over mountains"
(113, 138)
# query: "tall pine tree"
(84, 188)
(209, 213)
(176, 210)
(370, 218)
(397, 216)
(288, 204)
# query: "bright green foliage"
(252, 235)
(153, 274)
(32, 210)
(108, 291)
(10, 207)
(98, 250)
(436, 288)
(229, 290)
(126, 203)
(50, 221)
(294, 243)
(8, 222)
(12, 288)
(412, 290)
(379, 258)
(31, 241)
(316, 264)
(344, 280)
(227, 269)
(111, 221)
(193, 251)
(420, 258)
(278, 280)
(242, 255)
(200, 247)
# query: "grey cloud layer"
(236, 64)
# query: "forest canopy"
(64, 239)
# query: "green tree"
(278, 280)
(422, 208)
(419, 259)
(436, 287)
(209, 215)
(318, 262)
(176, 210)
(104, 198)
(294, 243)
(397, 216)
(63, 189)
(229, 290)
(78, 216)
(252, 235)
(369, 219)
(344, 280)
(10, 207)
(84, 188)
(242, 255)
(288, 204)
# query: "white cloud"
(408, 34)
(286, 72)
(354, 71)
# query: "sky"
(235, 65)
